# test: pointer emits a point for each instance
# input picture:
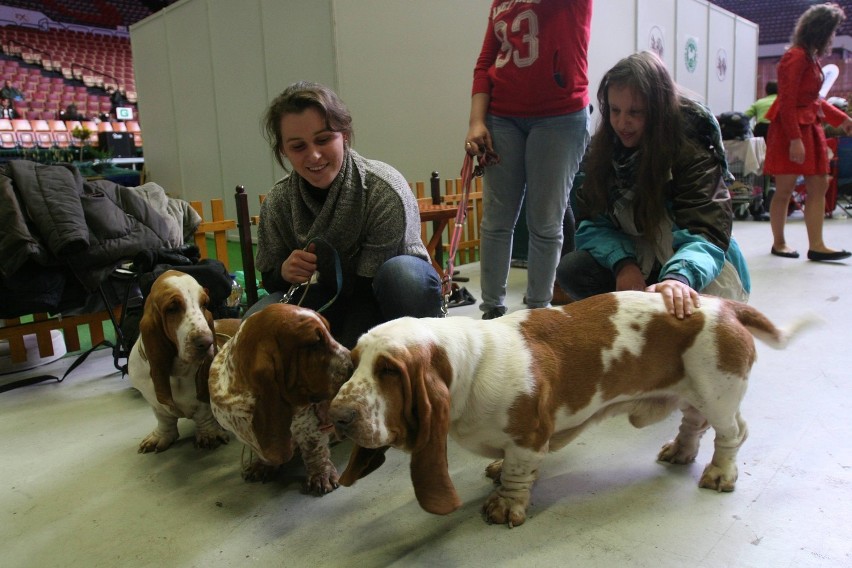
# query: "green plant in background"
(31, 154)
(101, 159)
(60, 155)
(82, 134)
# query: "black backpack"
(734, 125)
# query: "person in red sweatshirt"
(529, 120)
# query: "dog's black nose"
(202, 343)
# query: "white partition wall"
(692, 46)
(612, 38)
(207, 69)
(655, 28)
(745, 64)
(407, 80)
(720, 59)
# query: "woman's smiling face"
(627, 114)
(314, 151)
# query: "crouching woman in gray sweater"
(354, 221)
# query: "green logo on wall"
(691, 54)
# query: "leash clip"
(285, 299)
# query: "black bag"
(734, 125)
(210, 273)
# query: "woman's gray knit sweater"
(368, 215)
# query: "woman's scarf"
(336, 218)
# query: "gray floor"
(75, 493)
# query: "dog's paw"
(674, 452)
(259, 471)
(502, 509)
(157, 442)
(211, 440)
(493, 470)
(718, 478)
(320, 483)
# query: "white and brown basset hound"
(518, 387)
(170, 361)
(271, 386)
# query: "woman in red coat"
(796, 142)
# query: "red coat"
(799, 112)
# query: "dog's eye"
(389, 371)
(314, 341)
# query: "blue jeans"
(538, 160)
(581, 276)
(403, 286)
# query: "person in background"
(6, 109)
(796, 142)
(116, 99)
(654, 212)
(9, 91)
(71, 113)
(831, 131)
(758, 109)
(529, 107)
(336, 204)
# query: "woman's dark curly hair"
(297, 98)
(815, 28)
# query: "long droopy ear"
(427, 376)
(160, 350)
(362, 462)
(271, 423)
(202, 389)
(263, 367)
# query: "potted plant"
(82, 134)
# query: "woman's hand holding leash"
(478, 144)
(300, 265)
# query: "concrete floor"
(75, 493)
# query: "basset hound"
(271, 386)
(520, 386)
(171, 359)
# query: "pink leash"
(468, 172)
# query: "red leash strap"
(468, 172)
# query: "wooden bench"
(15, 329)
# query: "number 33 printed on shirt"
(524, 55)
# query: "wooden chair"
(439, 214)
